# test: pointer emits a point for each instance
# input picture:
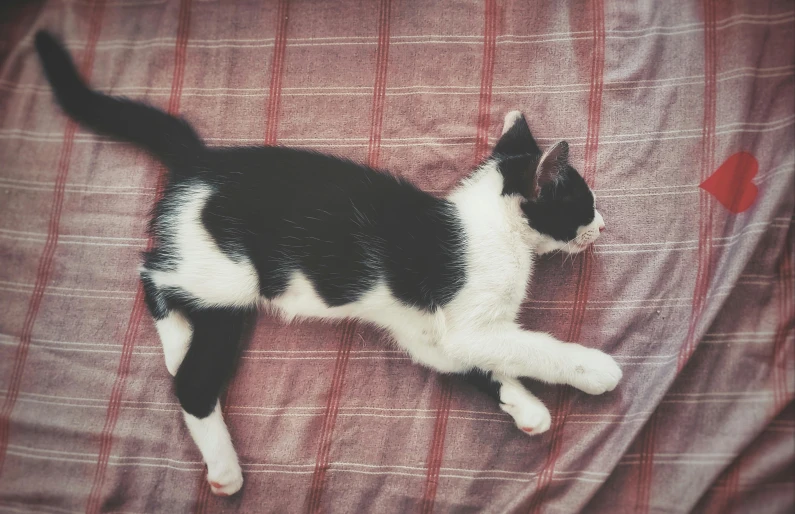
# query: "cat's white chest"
(516, 260)
(499, 256)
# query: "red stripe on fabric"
(128, 343)
(786, 323)
(731, 482)
(486, 80)
(565, 395)
(707, 167)
(277, 73)
(204, 494)
(704, 242)
(46, 260)
(559, 414)
(436, 450)
(648, 438)
(330, 418)
(723, 490)
(379, 91)
(341, 364)
(114, 403)
(180, 56)
(726, 488)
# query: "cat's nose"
(600, 221)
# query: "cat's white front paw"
(225, 478)
(530, 415)
(592, 371)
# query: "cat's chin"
(575, 248)
(550, 245)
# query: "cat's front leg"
(591, 370)
(421, 345)
(427, 354)
(510, 351)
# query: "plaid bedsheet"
(696, 302)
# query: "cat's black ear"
(551, 164)
(516, 137)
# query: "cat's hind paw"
(528, 412)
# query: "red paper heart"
(731, 183)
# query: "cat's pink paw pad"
(225, 481)
(218, 489)
(530, 415)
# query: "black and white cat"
(310, 235)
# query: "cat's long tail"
(169, 138)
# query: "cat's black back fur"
(342, 224)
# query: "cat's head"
(557, 202)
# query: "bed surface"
(696, 302)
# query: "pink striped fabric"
(696, 303)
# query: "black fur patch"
(343, 225)
(517, 174)
(211, 358)
(157, 305)
(517, 154)
(169, 138)
(483, 382)
(561, 207)
(518, 140)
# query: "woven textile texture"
(696, 302)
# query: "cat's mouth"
(577, 247)
(582, 242)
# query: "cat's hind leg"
(207, 367)
(172, 325)
(175, 333)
